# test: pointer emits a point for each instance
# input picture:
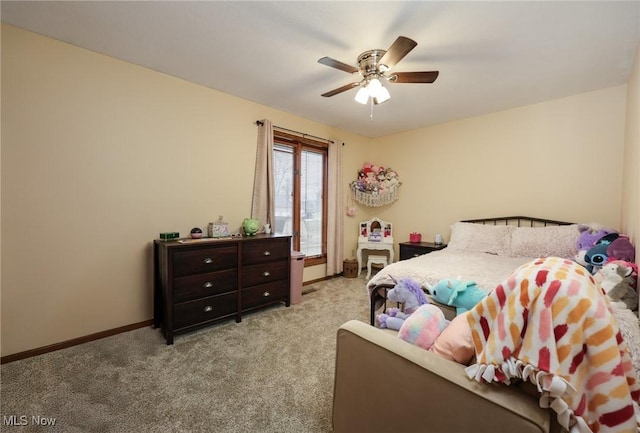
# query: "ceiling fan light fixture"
(374, 86)
(363, 95)
(378, 91)
(382, 95)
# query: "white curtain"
(263, 203)
(335, 218)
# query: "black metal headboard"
(520, 221)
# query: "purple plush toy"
(410, 294)
(588, 237)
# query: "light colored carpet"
(273, 372)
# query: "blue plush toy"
(610, 247)
(456, 293)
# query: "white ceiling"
(491, 55)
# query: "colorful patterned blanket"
(549, 323)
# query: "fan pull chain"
(371, 114)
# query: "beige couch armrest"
(383, 384)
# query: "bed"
(482, 250)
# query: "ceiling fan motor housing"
(368, 62)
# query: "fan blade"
(338, 65)
(397, 51)
(414, 77)
(340, 90)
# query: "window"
(300, 168)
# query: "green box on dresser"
(200, 282)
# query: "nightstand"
(409, 250)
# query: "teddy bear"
(617, 284)
(410, 294)
(457, 293)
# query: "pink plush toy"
(423, 326)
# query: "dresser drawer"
(202, 285)
(265, 251)
(264, 294)
(408, 252)
(205, 309)
(202, 260)
(264, 273)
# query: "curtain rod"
(260, 123)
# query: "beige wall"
(559, 159)
(631, 178)
(99, 156)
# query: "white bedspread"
(487, 270)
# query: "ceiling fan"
(373, 68)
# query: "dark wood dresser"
(409, 250)
(200, 282)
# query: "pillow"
(481, 238)
(558, 241)
(455, 342)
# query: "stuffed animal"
(617, 284)
(633, 266)
(621, 249)
(457, 293)
(407, 292)
(423, 326)
(589, 235)
(610, 247)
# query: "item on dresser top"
(410, 294)
(218, 229)
(169, 235)
(457, 293)
(196, 233)
(375, 237)
(250, 226)
(415, 237)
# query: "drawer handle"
(208, 309)
(266, 253)
(208, 260)
(266, 273)
(208, 285)
(266, 294)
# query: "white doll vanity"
(377, 235)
